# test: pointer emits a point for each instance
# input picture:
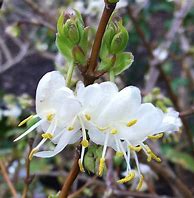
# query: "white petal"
(148, 119)
(65, 139)
(126, 102)
(46, 89)
(99, 137)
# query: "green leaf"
(60, 23)
(181, 158)
(123, 62)
(106, 64)
(84, 40)
(119, 41)
(63, 47)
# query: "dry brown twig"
(7, 179)
(28, 178)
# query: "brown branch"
(7, 179)
(188, 112)
(28, 178)
(108, 10)
(72, 175)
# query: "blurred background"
(161, 38)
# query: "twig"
(188, 112)
(107, 12)
(72, 175)
(28, 178)
(7, 179)
(80, 190)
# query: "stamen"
(80, 165)
(131, 123)
(25, 120)
(119, 154)
(85, 143)
(71, 128)
(35, 150)
(114, 131)
(135, 148)
(139, 186)
(155, 137)
(102, 128)
(101, 166)
(47, 135)
(50, 117)
(88, 117)
(129, 177)
(29, 130)
(151, 155)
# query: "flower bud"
(72, 32)
(78, 55)
(119, 41)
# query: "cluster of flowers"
(111, 118)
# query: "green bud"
(84, 40)
(78, 55)
(119, 41)
(156, 91)
(107, 63)
(72, 32)
(161, 105)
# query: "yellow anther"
(131, 123)
(127, 178)
(101, 166)
(47, 135)
(155, 137)
(50, 117)
(32, 153)
(135, 148)
(80, 165)
(119, 154)
(152, 155)
(114, 131)
(88, 117)
(85, 143)
(139, 186)
(25, 120)
(102, 128)
(71, 128)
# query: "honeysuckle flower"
(57, 109)
(93, 98)
(124, 124)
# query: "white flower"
(123, 123)
(57, 108)
(93, 98)
(12, 111)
